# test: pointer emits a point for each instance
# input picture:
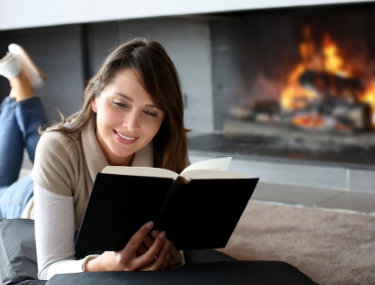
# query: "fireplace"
(298, 81)
(312, 69)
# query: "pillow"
(17, 250)
(209, 273)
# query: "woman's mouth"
(125, 138)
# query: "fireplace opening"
(307, 69)
(303, 76)
(329, 89)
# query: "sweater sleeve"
(54, 234)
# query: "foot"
(10, 66)
(35, 75)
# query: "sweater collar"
(95, 163)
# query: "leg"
(29, 112)
(20, 117)
(11, 143)
(30, 115)
(14, 198)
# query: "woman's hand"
(135, 256)
(174, 257)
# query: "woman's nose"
(132, 120)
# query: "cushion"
(17, 251)
(215, 273)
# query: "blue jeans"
(19, 123)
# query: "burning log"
(334, 113)
(357, 117)
(337, 107)
(260, 110)
(326, 83)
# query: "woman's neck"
(124, 162)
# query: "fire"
(369, 97)
(332, 61)
(329, 59)
(294, 96)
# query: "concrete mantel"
(18, 14)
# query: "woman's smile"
(123, 138)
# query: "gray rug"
(330, 246)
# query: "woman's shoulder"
(57, 160)
(58, 143)
(53, 138)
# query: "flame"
(293, 96)
(332, 61)
(368, 96)
(328, 59)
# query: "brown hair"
(160, 79)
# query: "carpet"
(329, 246)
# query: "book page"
(214, 164)
(140, 171)
(220, 164)
(214, 174)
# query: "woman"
(21, 115)
(132, 115)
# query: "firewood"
(326, 83)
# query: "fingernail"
(154, 233)
(150, 225)
(162, 234)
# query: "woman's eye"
(119, 104)
(150, 113)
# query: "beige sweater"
(67, 166)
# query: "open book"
(198, 208)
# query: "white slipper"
(10, 66)
(36, 76)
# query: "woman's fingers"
(153, 252)
(174, 254)
(141, 250)
(161, 260)
(148, 242)
(127, 257)
(175, 257)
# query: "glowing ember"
(308, 121)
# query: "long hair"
(160, 80)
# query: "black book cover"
(200, 214)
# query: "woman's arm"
(54, 233)
(54, 229)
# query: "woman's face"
(127, 118)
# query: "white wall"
(16, 14)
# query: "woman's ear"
(93, 105)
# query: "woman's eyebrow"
(131, 100)
(124, 96)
